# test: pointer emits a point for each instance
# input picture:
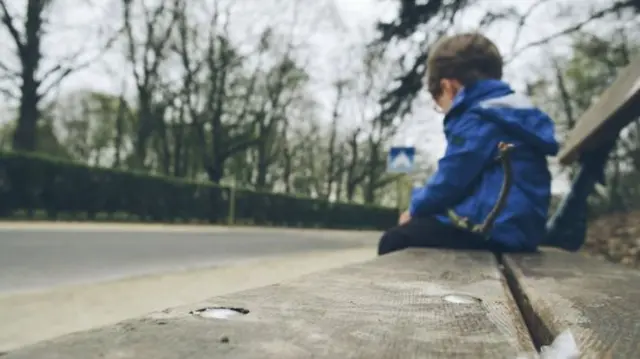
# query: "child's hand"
(404, 218)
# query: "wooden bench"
(615, 109)
(596, 300)
(416, 303)
(557, 290)
(589, 144)
(395, 306)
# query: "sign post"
(400, 160)
(232, 203)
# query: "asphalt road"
(37, 259)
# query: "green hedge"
(33, 183)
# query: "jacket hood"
(496, 101)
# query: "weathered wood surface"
(598, 301)
(614, 109)
(391, 307)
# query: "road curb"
(153, 227)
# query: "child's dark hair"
(466, 58)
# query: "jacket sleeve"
(471, 143)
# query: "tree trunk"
(117, 143)
(179, 148)
(144, 129)
(24, 138)
(262, 166)
(215, 171)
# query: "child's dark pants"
(430, 233)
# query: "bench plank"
(596, 300)
(614, 109)
(390, 307)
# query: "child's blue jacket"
(469, 178)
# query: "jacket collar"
(474, 93)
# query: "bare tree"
(146, 50)
(34, 83)
(298, 144)
(218, 91)
(280, 90)
(355, 174)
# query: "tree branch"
(61, 71)
(160, 46)
(131, 48)
(522, 22)
(7, 69)
(8, 93)
(239, 146)
(571, 29)
(7, 20)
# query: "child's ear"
(450, 86)
(445, 86)
(456, 86)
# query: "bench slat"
(596, 300)
(390, 307)
(614, 109)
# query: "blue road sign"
(401, 159)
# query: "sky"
(326, 32)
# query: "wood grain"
(390, 307)
(614, 109)
(596, 300)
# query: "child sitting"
(482, 114)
